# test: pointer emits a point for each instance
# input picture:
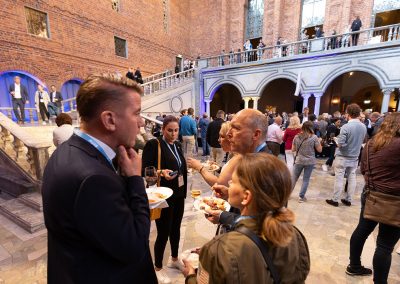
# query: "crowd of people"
(97, 211)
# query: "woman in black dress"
(172, 160)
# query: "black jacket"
(213, 132)
(24, 92)
(356, 25)
(58, 97)
(168, 161)
(98, 222)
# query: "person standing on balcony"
(138, 76)
(355, 26)
(247, 47)
(19, 97)
(130, 74)
(221, 58)
(42, 99)
(54, 106)
(188, 130)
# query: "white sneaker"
(325, 168)
(302, 199)
(175, 264)
(162, 277)
(44, 123)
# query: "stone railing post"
(18, 148)
(5, 137)
(37, 159)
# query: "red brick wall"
(82, 32)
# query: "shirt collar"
(353, 119)
(259, 147)
(107, 149)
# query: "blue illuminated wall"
(69, 90)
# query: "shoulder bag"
(158, 162)
(380, 207)
(297, 150)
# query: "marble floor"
(328, 229)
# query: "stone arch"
(226, 97)
(217, 85)
(289, 76)
(366, 69)
(69, 90)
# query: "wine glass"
(150, 175)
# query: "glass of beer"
(150, 175)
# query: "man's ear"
(107, 119)
(257, 133)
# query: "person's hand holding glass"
(150, 175)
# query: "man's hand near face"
(130, 163)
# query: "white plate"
(199, 202)
(192, 257)
(152, 194)
(211, 167)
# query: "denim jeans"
(385, 242)
(297, 169)
(53, 109)
(204, 145)
(345, 166)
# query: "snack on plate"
(160, 195)
(152, 201)
(211, 166)
(212, 203)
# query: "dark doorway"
(310, 31)
(385, 19)
(227, 98)
(279, 95)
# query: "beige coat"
(234, 258)
(46, 99)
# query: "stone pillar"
(207, 101)
(305, 99)
(255, 102)
(246, 102)
(317, 103)
(386, 99)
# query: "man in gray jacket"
(349, 141)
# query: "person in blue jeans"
(203, 125)
(304, 146)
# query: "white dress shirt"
(17, 91)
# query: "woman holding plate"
(265, 247)
(173, 174)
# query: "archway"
(279, 95)
(227, 98)
(69, 90)
(354, 87)
(29, 81)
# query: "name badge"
(181, 182)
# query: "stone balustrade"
(29, 152)
(32, 112)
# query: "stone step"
(4, 196)
(33, 200)
(23, 215)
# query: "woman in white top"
(41, 101)
(64, 130)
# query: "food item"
(212, 203)
(213, 167)
(160, 195)
(152, 201)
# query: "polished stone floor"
(23, 256)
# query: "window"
(116, 5)
(166, 15)
(313, 13)
(254, 19)
(120, 47)
(37, 22)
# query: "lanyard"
(89, 139)
(258, 149)
(175, 153)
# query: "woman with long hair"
(304, 146)
(382, 171)
(291, 131)
(172, 160)
(234, 257)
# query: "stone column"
(386, 99)
(317, 103)
(246, 102)
(255, 102)
(207, 101)
(305, 99)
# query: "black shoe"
(358, 270)
(345, 202)
(333, 203)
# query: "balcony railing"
(166, 82)
(158, 76)
(32, 112)
(340, 41)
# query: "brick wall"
(82, 32)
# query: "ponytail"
(277, 227)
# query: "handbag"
(380, 207)
(158, 162)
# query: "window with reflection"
(313, 13)
(37, 22)
(120, 47)
(254, 19)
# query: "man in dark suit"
(304, 116)
(56, 98)
(98, 221)
(19, 97)
(212, 136)
(355, 27)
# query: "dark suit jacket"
(24, 92)
(58, 97)
(98, 222)
(213, 132)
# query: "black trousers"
(332, 149)
(169, 226)
(354, 39)
(43, 112)
(274, 147)
(18, 103)
(385, 242)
